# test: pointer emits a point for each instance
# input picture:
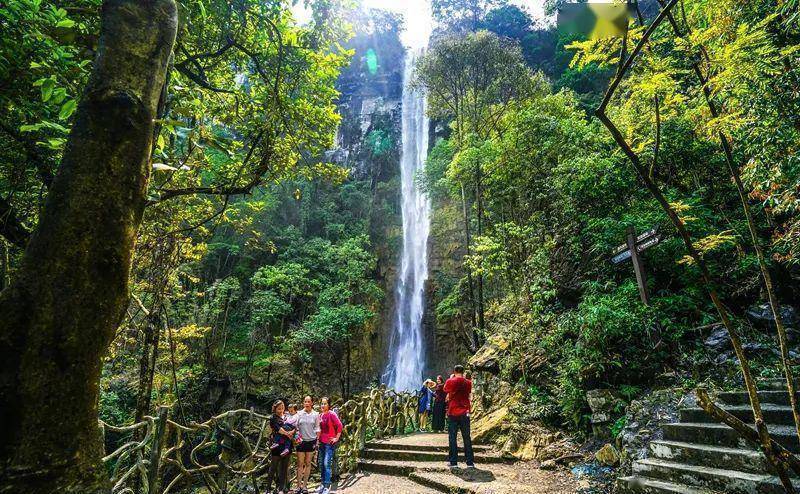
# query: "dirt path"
(520, 478)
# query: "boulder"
(489, 355)
(528, 444)
(608, 456)
(490, 425)
(761, 316)
(754, 350)
(718, 341)
(602, 402)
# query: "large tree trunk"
(59, 316)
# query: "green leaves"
(67, 109)
(46, 85)
(66, 23)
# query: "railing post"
(153, 481)
(226, 444)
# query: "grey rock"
(601, 400)
(761, 316)
(643, 419)
(718, 340)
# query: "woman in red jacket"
(331, 432)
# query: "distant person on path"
(308, 425)
(279, 463)
(425, 404)
(439, 405)
(331, 428)
(458, 390)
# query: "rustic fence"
(229, 450)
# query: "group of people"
(304, 431)
(451, 399)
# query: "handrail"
(233, 446)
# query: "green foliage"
(544, 407)
(260, 256)
(604, 341)
(463, 15)
(618, 426)
(472, 79)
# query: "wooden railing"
(161, 456)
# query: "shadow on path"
(473, 475)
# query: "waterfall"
(406, 345)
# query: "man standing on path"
(458, 390)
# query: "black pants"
(438, 416)
(455, 424)
(279, 472)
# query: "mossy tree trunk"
(59, 315)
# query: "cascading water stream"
(406, 347)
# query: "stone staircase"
(424, 461)
(699, 456)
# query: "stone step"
(421, 447)
(773, 384)
(742, 398)
(416, 455)
(773, 414)
(745, 460)
(728, 481)
(439, 484)
(388, 467)
(721, 435)
(637, 485)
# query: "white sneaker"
(326, 490)
(321, 489)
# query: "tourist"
(308, 425)
(279, 463)
(458, 406)
(284, 442)
(331, 431)
(425, 403)
(439, 405)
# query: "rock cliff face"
(447, 336)
(368, 143)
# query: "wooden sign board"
(644, 238)
(635, 245)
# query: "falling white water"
(406, 350)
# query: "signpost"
(634, 246)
